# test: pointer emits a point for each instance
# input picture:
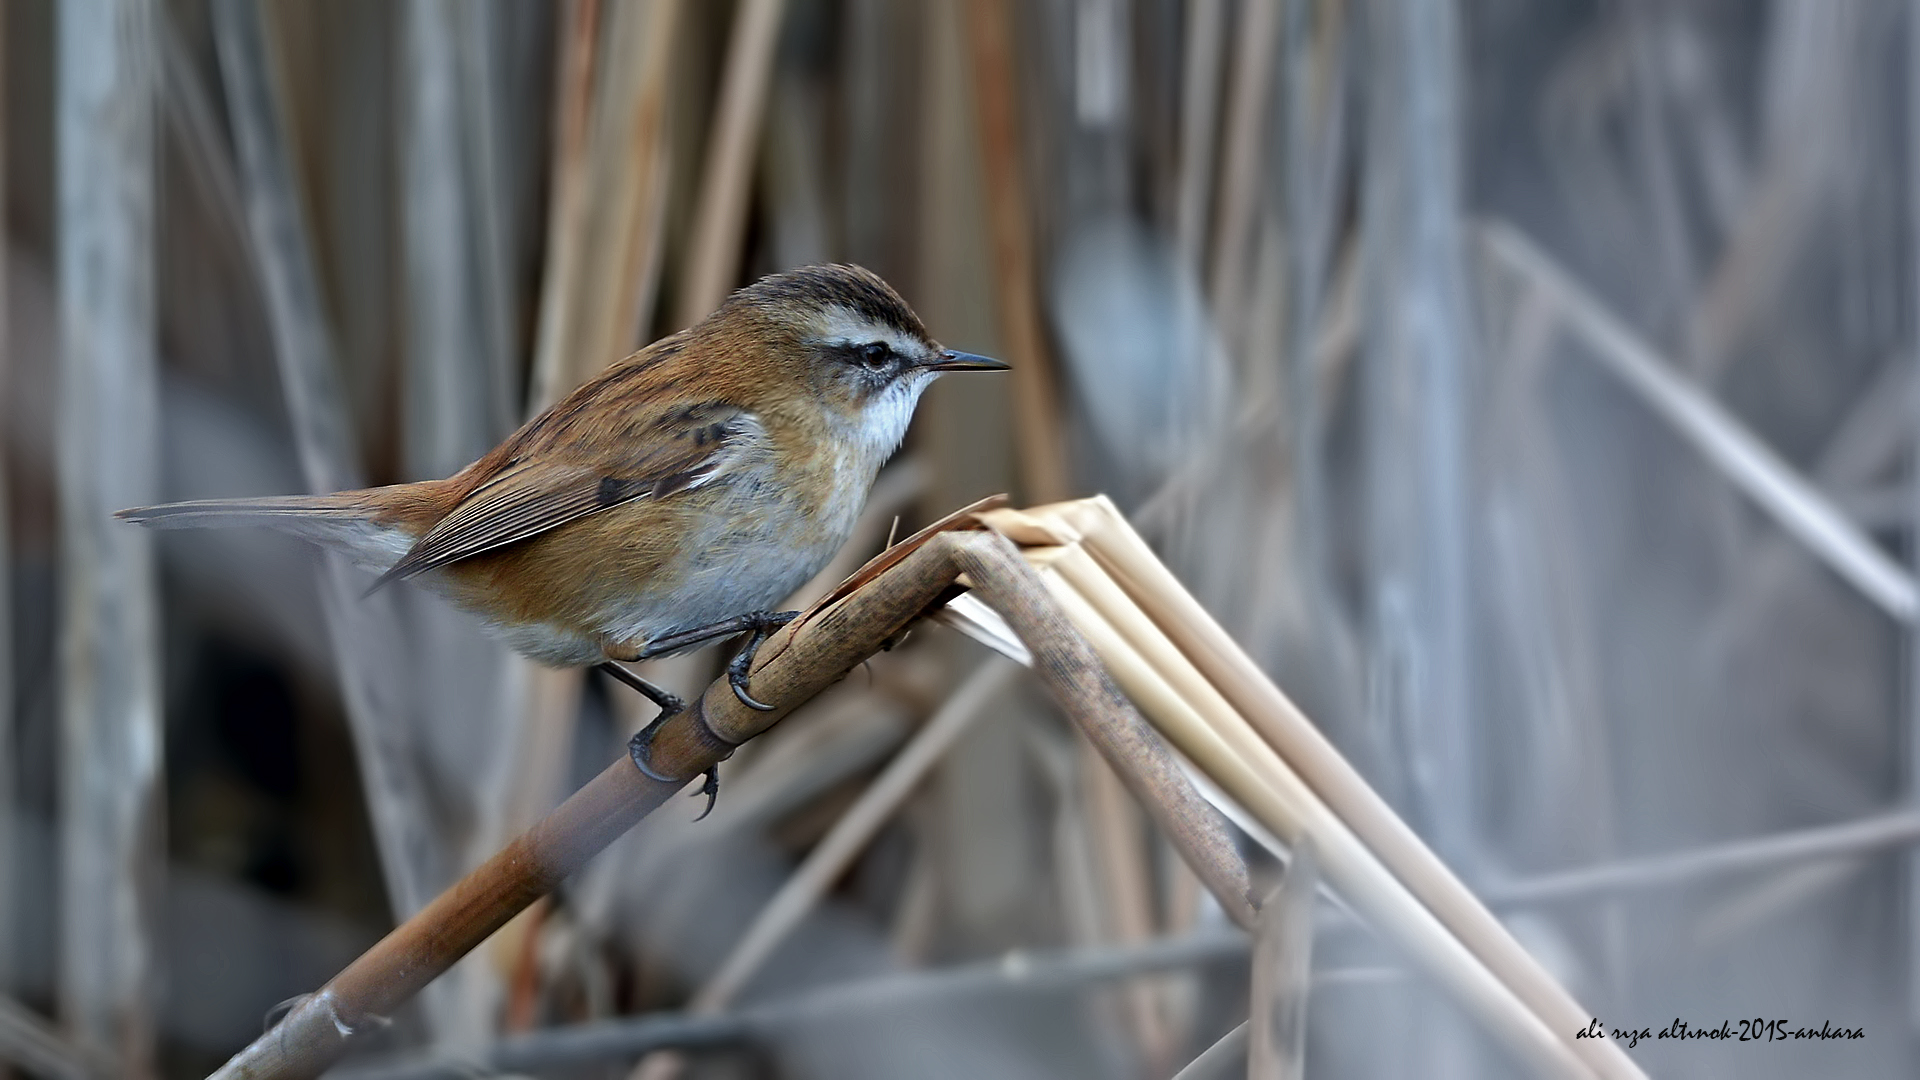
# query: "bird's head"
(838, 342)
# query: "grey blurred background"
(1527, 384)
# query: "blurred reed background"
(1529, 385)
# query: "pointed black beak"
(965, 361)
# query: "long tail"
(341, 521)
(273, 511)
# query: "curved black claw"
(711, 789)
(764, 623)
(739, 683)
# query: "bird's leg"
(639, 748)
(756, 624)
(670, 704)
(739, 624)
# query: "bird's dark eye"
(875, 355)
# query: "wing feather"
(682, 450)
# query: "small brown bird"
(671, 500)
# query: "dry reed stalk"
(1258, 43)
(1036, 395)
(539, 740)
(914, 919)
(378, 682)
(573, 110)
(520, 1012)
(456, 400)
(1911, 714)
(10, 877)
(1098, 527)
(603, 235)
(1415, 401)
(1800, 508)
(362, 632)
(805, 657)
(1049, 972)
(850, 835)
(1126, 895)
(1205, 36)
(836, 851)
(1804, 137)
(1866, 443)
(110, 733)
(721, 217)
(1282, 967)
(1862, 836)
(604, 227)
(1076, 680)
(1075, 877)
(1198, 721)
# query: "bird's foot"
(765, 623)
(756, 624)
(711, 789)
(640, 747)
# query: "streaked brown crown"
(814, 288)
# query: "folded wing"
(679, 451)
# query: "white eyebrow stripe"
(842, 326)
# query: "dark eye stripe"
(873, 355)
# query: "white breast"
(757, 548)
